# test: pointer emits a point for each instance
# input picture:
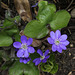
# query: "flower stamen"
(42, 57)
(57, 42)
(24, 46)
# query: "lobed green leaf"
(20, 68)
(33, 28)
(60, 20)
(46, 14)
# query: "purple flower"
(59, 41)
(25, 60)
(24, 47)
(35, 5)
(43, 58)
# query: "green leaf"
(10, 22)
(33, 29)
(41, 6)
(50, 66)
(52, 58)
(38, 29)
(17, 37)
(20, 68)
(5, 40)
(12, 31)
(47, 67)
(17, 19)
(55, 69)
(43, 33)
(46, 14)
(53, 7)
(7, 23)
(60, 20)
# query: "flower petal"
(63, 37)
(28, 59)
(29, 42)
(38, 61)
(44, 60)
(24, 61)
(35, 60)
(21, 60)
(54, 47)
(40, 52)
(47, 57)
(23, 39)
(46, 52)
(52, 34)
(63, 46)
(20, 53)
(17, 44)
(34, 5)
(59, 49)
(57, 34)
(31, 50)
(50, 40)
(26, 54)
(65, 42)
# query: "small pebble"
(71, 45)
(70, 73)
(69, 54)
(43, 47)
(73, 13)
(74, 58)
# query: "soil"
(66, 60)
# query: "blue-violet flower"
(59, 41)
(35, 5)
(25, 60)
(24, 47)
(43, 58)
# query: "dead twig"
(3, 5)
(70, 4)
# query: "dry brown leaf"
(36, 43)
(23, 8)
(21, 32)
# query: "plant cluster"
(36, 29)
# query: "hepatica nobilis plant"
(43, 57)
(24, 48)
(28, 55)
(58, 41)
